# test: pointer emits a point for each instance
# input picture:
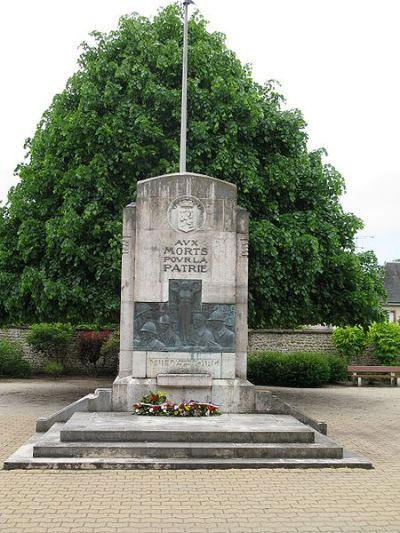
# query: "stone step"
(85, 463)
(124, 427)
(49, 445)
(323, 453)
(181, 450)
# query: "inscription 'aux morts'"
(186, 255)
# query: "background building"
(392, 287)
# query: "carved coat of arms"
(186, 213)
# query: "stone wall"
(269, 340)
(309, 339)
(285, 340)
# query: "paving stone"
(361, 419)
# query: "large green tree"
(116, 122)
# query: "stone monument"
(184, 294)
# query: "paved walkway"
(366, 420)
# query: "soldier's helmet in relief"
(142, 308)
(217, 316)
(149, 327)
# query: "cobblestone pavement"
(366, 420)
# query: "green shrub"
(53, 368)
(349, 341)
(338, 368)
(295, 369)
(110, 351)
(12, 363)
(385, 339)
(53, 340)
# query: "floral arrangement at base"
(156, 404)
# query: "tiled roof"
(392, 282)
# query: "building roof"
(392, 282)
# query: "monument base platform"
(231, 395)
(123, 441)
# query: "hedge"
(295, 369)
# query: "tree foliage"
(116, 122)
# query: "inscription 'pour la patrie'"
(186, 255)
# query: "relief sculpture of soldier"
(181, 324)
(147, 339)
(186, 297)
(200, 336)
(143, 314)
(224, 337)
(167, 335)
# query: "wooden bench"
(363, 372)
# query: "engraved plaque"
(180, 363)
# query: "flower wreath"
(156, 404)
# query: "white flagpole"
(182, 157)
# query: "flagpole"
(182, 157)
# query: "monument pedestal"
(112, 440)
(231, 395)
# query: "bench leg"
(359, 381)
(398, 382)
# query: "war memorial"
(184, 293)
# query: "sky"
(336, 60)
